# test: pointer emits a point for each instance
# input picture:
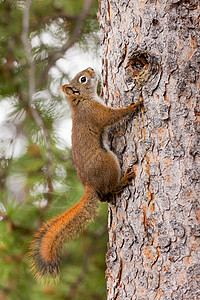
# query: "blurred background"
(43, 44)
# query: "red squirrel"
(97, 168)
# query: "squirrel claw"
(129, 174)
(136, 104)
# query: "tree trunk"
(149, 49)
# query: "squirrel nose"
(90, 69)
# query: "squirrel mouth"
(66, 87)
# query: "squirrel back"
(97, 167)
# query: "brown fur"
(97, 168)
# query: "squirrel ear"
(67, 89)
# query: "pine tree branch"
(57, 54)
(32, 86)
(54, 17)
(27, 48)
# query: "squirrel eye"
(83, 79)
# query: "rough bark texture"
(151, 49)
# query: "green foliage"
(38, 181)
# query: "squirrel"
(97, 168)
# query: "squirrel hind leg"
(125, 181)
(129, 175)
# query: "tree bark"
(150, 49)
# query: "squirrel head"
(82, 87)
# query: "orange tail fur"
(48, 240)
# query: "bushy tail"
(48, 240)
